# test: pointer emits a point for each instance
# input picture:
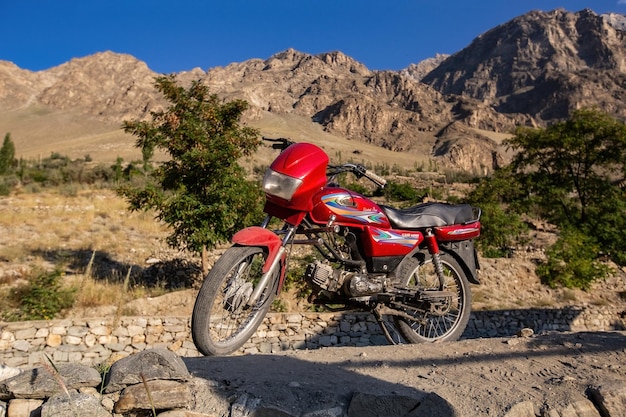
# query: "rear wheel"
(441, 319)
(222, 320)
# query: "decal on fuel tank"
(342, 204)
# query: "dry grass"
(96, 220)
(91, 235)
(38, 132)
(95, 293)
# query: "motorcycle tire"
(222, 321)
(445, 322)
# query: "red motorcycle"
(410, 267)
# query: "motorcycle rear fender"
(463, 251)
(258, 236)
(465, 254)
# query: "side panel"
(466, 255)
(389, 242)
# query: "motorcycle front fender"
(258, 236)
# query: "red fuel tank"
(348, 207)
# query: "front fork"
(275, 263)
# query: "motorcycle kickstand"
(383, 326)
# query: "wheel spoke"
(223, 320)
(436, 319)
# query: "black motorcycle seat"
(429, 215)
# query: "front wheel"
(445, 319)
(222, 320)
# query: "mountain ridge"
(530, 71)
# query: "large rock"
(610, 398)
(366, 405)
(148, 365)
(23, 407)
(42, 383)
(76, 404)
(160, 395)
(7, 372)
(247, 405)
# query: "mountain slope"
(529, 71)
(541, 64)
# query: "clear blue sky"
(176, 35)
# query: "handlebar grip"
(377, 179)
(279, 143)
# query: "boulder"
(40, 383)
(148, 365)
(158, 394)
(76, 404)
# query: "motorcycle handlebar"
(360, 171)
(279, 143)
(378, 180)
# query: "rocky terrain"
(552, 375)
(541, 64)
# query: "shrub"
(501, 230)
(359, 188)
(403, 191)
(42, 298)
(572, 262)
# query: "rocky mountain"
(529, 71)
(543, 65)
(113, 86)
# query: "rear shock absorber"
(433, 249)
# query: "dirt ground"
(479, 377)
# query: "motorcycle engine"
(325, 277)
(360, 285)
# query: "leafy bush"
(502, 227)
(42, 298)
(359, 188)
(400, 191)
(501, 230)
(572, 262)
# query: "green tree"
(568, 168)
(201, 191)
(572, 261)
(502, 226)
(7, 155)
(572, 174)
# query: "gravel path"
(480, 377)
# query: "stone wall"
(98, 340)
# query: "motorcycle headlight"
(280, 185)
